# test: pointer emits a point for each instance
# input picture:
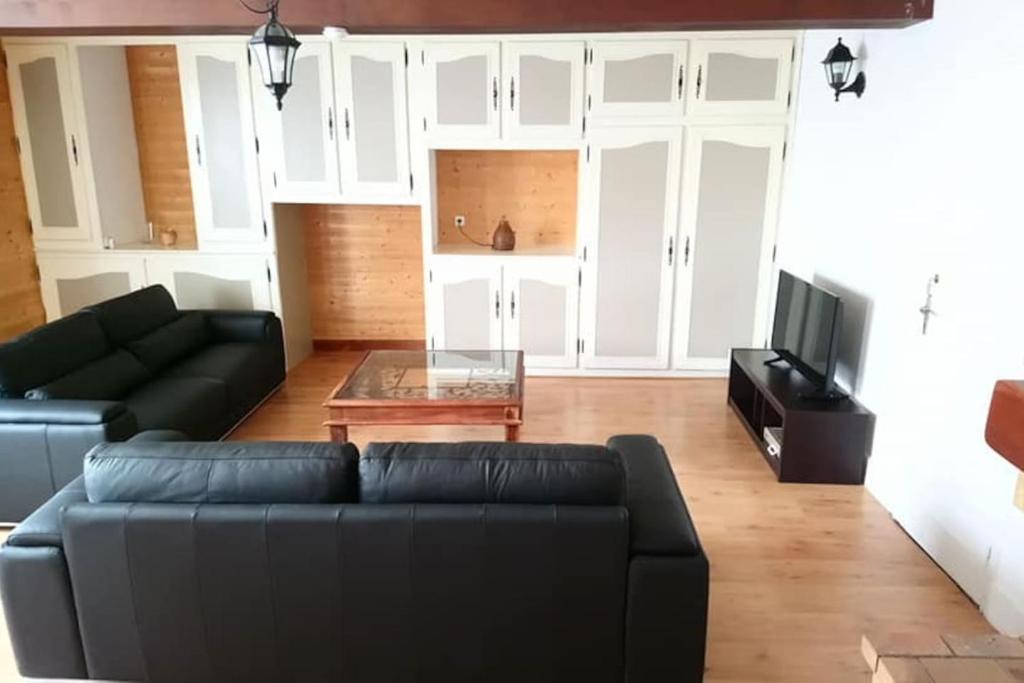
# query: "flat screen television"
(806, 332)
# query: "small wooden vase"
(168, 238)
(504, 237)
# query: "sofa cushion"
(48, 352)
(265, 472)
(250, 371)
(194, 406)
(133, 315)
(493, 472)
(107, 379)
(171, 342)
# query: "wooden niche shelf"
(535, 189)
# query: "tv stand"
(820, 439)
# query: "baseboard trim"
(369, 344)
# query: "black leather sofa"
(126, 365)
(435, 563)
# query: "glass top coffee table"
(430, 388)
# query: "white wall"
(925, 176)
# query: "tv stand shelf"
(822, 442)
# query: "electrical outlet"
(460, 221)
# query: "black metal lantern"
(275, 46)
(838, 66)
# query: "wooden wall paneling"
(21, 304)
(365, 267)
(429, 16)
(162, 142)
(535, 190)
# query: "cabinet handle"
(348, 126)
(700, 79)
(512, 95)
(680, 81)
(199, 152)
(330, 122)
(686, 252)
(497, 304)
(494, 92)
(512, 305)
(74, 149)
(671, 249)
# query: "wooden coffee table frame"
(345, 413)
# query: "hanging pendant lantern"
(275, 47)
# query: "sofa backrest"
(46, 353)
(131, 316)
(491, 472)
(362, 591)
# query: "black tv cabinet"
(822, 442)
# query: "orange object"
(1005, 429)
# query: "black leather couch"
(435, 563)
(126, 365)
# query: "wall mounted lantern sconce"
(838, 66)
(275, 46)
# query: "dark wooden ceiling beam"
(455, 16)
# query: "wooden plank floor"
(798, 573)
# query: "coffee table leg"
(339, 433)
(512, 433)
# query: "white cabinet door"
(631, 211)
(542, 312)
(299, 141)
(465, 303)
(741, 76)
(71, 282)
(544, 90)
(373, 119)
(636, 81)
(461, 90)
(732, 180)
(217, 98)
(232, 282)
(46, 120)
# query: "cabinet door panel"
(632, 222)
(542, 312)
(637, 80)
(544, 89)
(732, 182)
(374, 129)
(300, 139)
(69, 283)
(219, 118)
(462, 84)
(741, 77)
(46, 120)
(213, 282)
(465, 305)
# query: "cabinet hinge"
(789, 100)
(406, 50)
(794, 52)
(775, 251)
(579, 277)
(591, 55)
(412, 186)
(431, 343)
(423, 57)
(430, 276)
(268, 274)
(424, 124)
(577, 346)
(264, 229)
(583, 346)
(248, 56)
(588, 154)
(785, 149)
(584, 254)
(584, 125)
(257, 144)
(590, 101)
(273, 176)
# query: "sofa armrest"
(659, 521)
(243, 326)
(24, 411)
(42, 527)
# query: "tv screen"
(806, 331)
